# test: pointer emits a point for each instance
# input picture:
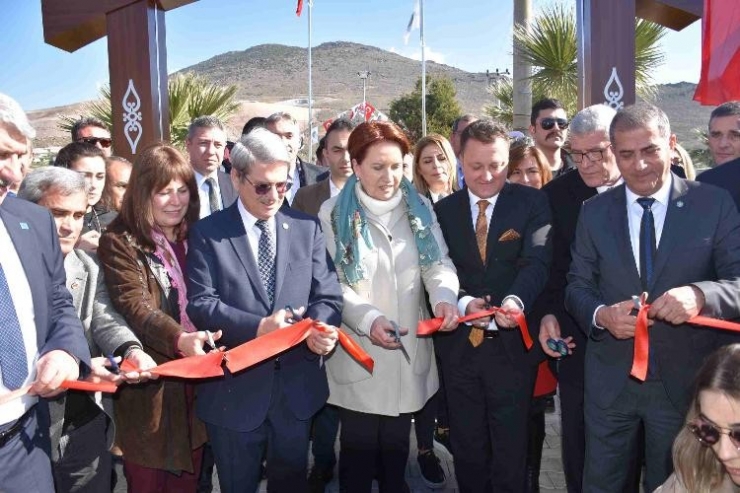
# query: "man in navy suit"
(41, 339)
(245, 264)
(677, 240)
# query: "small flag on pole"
(414, 22)
(299, 8)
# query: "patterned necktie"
(13, 360)
(481, 229)
(481, 234)
(213, 201)
(266, 257)
(647, 242)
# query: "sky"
(474, 35)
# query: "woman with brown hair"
(387, 248)
(143, 255)
(435, 176)
(527, 165)
(706, 452)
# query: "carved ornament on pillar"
(614, 91)
(132, 116)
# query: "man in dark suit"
(302, 173)
(309, 199)
(724, 143)
(42, 342)
(245, 264)
(498, 237)
(677, 240)
(206, 143)
(596, 164)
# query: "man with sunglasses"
(93, 131)
(679, 242)
(549, 129)
(246, 264)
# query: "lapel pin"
(679, 204)
(24, 226)
(285, 226)
(74, 285)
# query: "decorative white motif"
(132, 116)
(614, 97)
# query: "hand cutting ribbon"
(210, 365)
(432, 325)
(642, 339)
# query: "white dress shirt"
(203, 193)
(20, 291)
(253, 232)
(333, 189)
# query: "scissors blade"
(398, 339)
(636, 302)
(210, 340)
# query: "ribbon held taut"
(432, 325)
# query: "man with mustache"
(549, 129)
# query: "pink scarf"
(172, 266)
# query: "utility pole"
(522, 71)
(364, 75)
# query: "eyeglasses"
(264, 188)
(97, 140)
(709, 434)
(594, 155)
(549, 123)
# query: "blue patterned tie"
(266, 257)
(647, 242)
(13, 360)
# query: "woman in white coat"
(387, 247)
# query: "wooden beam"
(674, 14)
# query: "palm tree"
(190, 96)
(551, 47)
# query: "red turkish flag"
(720, 65)
(299, 8)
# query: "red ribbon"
(432, 325)
(642, 340)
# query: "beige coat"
(395, 289)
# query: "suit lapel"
(25, 242)
(243, 251)
(283, 228)
(228, 194)
(76, 279)
(618, 218)
(499, 218)
(324, 193)
(675, 229)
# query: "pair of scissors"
(397, 335)
(294, 316)
(559, 346)
(210, 340)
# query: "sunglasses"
(97, 140)
(709, 434)
(549, 123)
(264, 188)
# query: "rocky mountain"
(274, 76)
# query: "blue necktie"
(266, 256)
(647, 242)
(13, 360)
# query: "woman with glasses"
(434, 171)
(706, 453)
(387, 248)
(143, 255)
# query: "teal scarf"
(352, 236)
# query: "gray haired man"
(81, 430)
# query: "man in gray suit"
(206, 143)
(81, 430)
(677, 240)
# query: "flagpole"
(423, 71)
(310, 85)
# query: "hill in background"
(271, 77)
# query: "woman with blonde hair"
(706, 453)
(435, 176)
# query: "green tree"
(441, 105)
(551, 47)
(190, 96)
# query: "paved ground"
(551, 475)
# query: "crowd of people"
(564, 235)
